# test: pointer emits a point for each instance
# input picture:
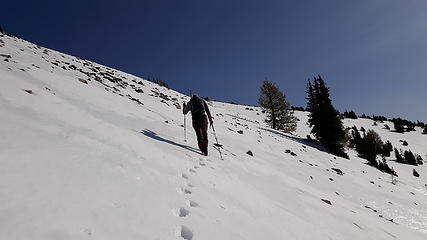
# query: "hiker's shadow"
(154, 135)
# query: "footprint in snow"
(87, 231)
(184, 232)
(192, 170)
(184, 190)
(182, 212)
(183, 175)
(193, 204)
(116, 205)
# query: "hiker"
(199, 109)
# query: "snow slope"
(89, 152)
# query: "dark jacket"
(196, 112)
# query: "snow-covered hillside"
(89, 152)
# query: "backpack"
(198, 107)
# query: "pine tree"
(386, 149)
(410, 158)
(419, 160)
(1, 30)
(399, 125)
(324, 118)
(279, 114)
(384, 167)
(355, 137)
(351, 114)
(369, 147)
(399, 157)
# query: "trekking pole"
(217, 144)
(185, 129)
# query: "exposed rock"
(136, 100)
(138, 90)
(338, 171)
(83, 81)
(5, 56)
(415, 173)
(177, 105)
(290, 152)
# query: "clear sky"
(372, 53)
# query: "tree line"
(327, 127)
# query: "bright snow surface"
(85, 161)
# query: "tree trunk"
(273, 113)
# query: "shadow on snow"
(154, 135)
(304, 141)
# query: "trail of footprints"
(183, 231)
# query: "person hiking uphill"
(200, 114)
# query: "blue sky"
(372, 53)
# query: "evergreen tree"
(402, 125)
(384, 167)
(369, 147)
(351, 114)
(386, 149)
(419, 160)
(324, 118)
(399, 157)
(410, 128)
(1, 30)
(399, 127)
(379, 118)
(279, 114)
(355, 137)
(410, 158)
